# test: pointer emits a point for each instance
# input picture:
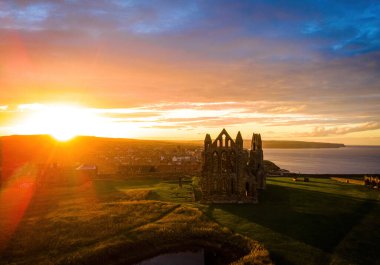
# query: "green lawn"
(316, 222)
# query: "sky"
(290, 70)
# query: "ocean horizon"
(344, 160)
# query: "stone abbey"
(230, 173)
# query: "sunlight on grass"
(68, 226)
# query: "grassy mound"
(138, 194)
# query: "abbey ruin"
(230, 173)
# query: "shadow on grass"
(319, 219)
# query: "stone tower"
(256, 158)
(230, 173)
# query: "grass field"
(319, 222)
(115, 222)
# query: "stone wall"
(231, 173)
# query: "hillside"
(39, 148)
(276, 144)
(299, 144)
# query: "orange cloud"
(322, 131)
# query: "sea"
(343, 160)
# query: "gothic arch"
(223, 162)
(223, 140)
(233, 162)
(247, 189)
(215, 162)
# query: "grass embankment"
(119, 222)
(318, 222)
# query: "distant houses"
(87, 171)
(58, 175)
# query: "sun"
(63, 122)
(63, 136)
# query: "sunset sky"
(290, 70)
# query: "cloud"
(215, 114)
(270, 62)
(322, 131)
(170, 118)
(348, 31)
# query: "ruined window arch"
(215, 162)
(247, 190)
(223, 161)
(208, 162)
(233, 162)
